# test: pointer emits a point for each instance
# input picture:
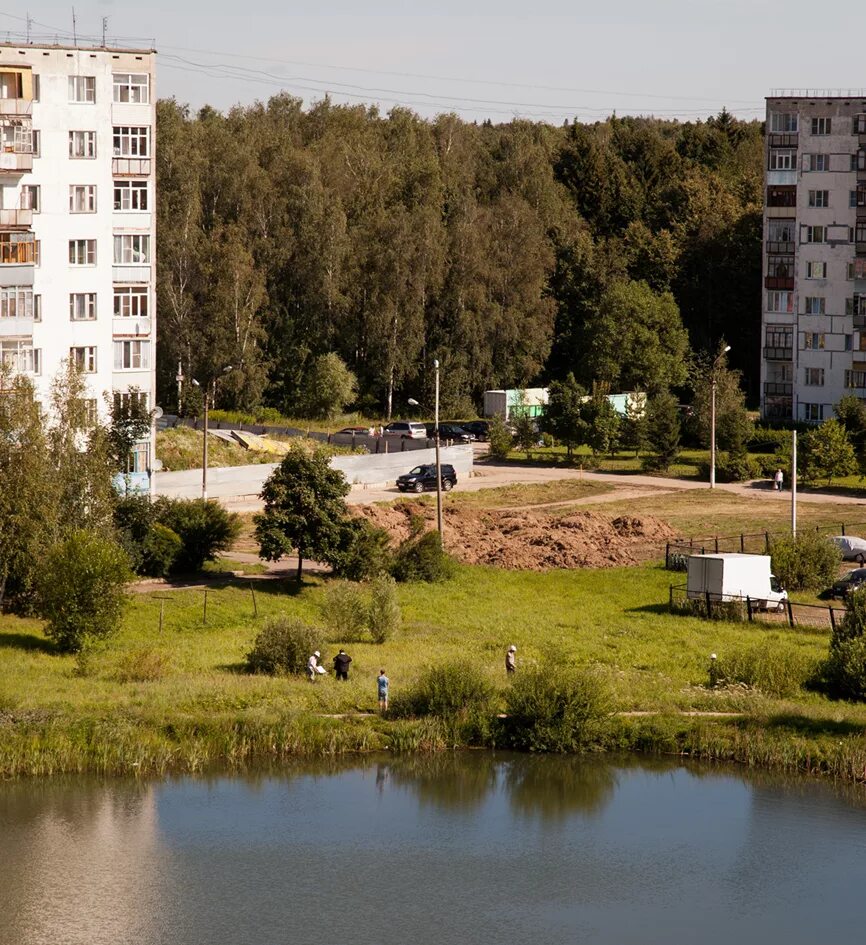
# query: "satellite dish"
(157, 413)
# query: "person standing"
(510, 656)
(341, 665)
(382, 683)
(779, 479)
(313, 666)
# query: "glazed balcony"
(778, 388)
(782, 140)
(772, 353)
(16, 219)
(17, 250)
(131, 166)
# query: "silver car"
(852, 548)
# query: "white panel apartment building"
(814, 300)
(77, 217)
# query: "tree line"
(516, 254)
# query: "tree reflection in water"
(450, 780)
(553, 787)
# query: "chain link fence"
(736, 608)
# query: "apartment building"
(77, 218)
(813, 321)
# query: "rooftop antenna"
(74, 29)
(29, 22)
(104, 28)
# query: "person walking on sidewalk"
(778, 479)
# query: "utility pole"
(438, 463)
(794, 483)
(713, 380)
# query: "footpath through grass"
(179, 699)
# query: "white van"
(734, 576)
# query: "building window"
(131, 87)
(781, 231)
(82, 252)
(783, 122)
(16, 302)
(131, 301)
(814, 234)
(820, 126)
(36, 138)
(128, 400)
(82, 88)
(816, 270)
(82, 198)
(130, 141)
(130, 195)
(31, 197)
(816, 162)
(814, 376)
(131, 355)
(852, 198)
(82, 306)
(84, 358)
(18, 248)
(131, 249)
(779, 336)
(783, 159)
(849, 271)
(814, 305)
(813, 341)
(20, 357)
(819, 198)
(82, 144)
(780, 302)
(856, 305)
(813, 413)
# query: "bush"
(807, 562)
(449, 691)
(143, 665)
(159, 551)
(767, 666)
(843, 674)
(204, 527)
(557, 709)
(384, 617)
(344, 611)
(423, 559)
(364, 551)
(81, 589)
(283, 646)
(500, 438)
(732, 467)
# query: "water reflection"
(554, 787)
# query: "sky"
(550, 60)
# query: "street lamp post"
(415, 403)
(206, 391)
(719, 357)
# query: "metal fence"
(677, 553)
(736, 608)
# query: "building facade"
(78, 218)
(814, 261)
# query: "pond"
(458, 849)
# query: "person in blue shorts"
(382, 682)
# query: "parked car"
(356, 431)
(852, 581)
(424, 477)
(852, 548)
(452, 431)
(406, 431)
(481, 429)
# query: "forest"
(515, 253)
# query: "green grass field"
(179, 697)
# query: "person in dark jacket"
(341, 665)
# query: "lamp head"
(727, 349)
(195, 383)
(412, 402)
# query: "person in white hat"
(313, 666)
(509, 659)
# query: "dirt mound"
(531, 541)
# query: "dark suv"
(424, 477)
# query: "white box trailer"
(726, 577)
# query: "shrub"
(159, 551)
(843, 674)
(423, 559)
(732, 467)
(283, 646)
(384, 617)
(344, 611)
(557, 709)
(204, 527)
(144, 665)
(364, 551)
(807, 562)
(500, 438)
(81, 589)
(774, 669)
(449, 691)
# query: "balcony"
(778, 409)
(126, 274)
(780, 247)
(16, 106)
(17, 249)
(130, 166)
(16, 219)
(15, 163)
(778, 354)
(787, 140)
(860, 321)
(779, 282)
(855, 380)
(778, 388)
(18, 327)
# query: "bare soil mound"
(531, 541)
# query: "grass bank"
(178, 699)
